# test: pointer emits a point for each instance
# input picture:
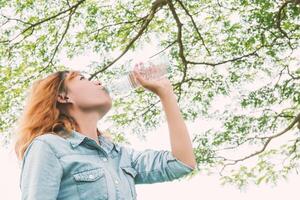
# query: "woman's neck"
(87, 123)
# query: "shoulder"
(49, 138)
(49, 142)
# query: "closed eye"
(84, 75)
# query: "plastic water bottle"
(152, 69)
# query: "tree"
(244, 50)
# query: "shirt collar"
(107, 144)
(77, 138)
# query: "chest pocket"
(130, 173)
(91, 184)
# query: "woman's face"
(88, 95)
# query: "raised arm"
(181, 144)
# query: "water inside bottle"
(153, 68)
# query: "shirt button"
(116, 181)
(104, 159)
(91, 176)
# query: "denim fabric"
(77, 168)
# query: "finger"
(139, 77)
(151, 64)
(141, 65)
(149, 72)
(136, 75)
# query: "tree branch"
(45, 20)
(268, 140)
(195, 26)
(279, 19)
(254, 53)
(15, 19)
(171, 44)
(180, 44)
(72, 11)
(155, 7)
(61, 39)
(120, 23)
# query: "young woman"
(65, 156)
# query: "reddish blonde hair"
(42, 113)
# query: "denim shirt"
(77, 168)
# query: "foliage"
(246, 51)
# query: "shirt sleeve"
(41, 172)
(154, 166)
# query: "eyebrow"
(76, 73)
(83, 73)
(73, 74)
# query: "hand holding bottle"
(152, 77)
(160, 86)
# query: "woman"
(65, 156)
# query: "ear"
(63, 99)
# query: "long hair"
(43, 113)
